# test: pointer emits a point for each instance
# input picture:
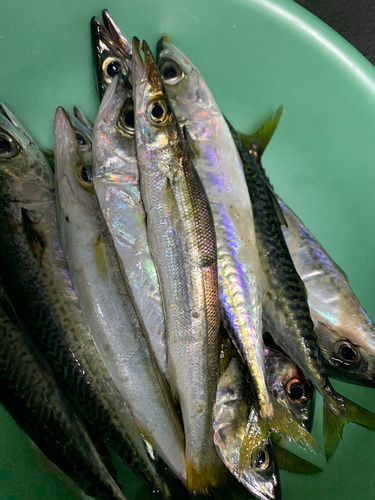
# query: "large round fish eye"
(8, 146)
(260, 459)
(126, 117)
(296, 391)
(111, 67)
(346, 353)
(158, 112)
(83, 142)
(171, 73)
(83, 176)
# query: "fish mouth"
(118, 36)
(103, 40)
(145, 68)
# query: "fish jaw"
(117, 34)
(105, 51)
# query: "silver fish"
(182, 241)
(106, 304)
(116, 180)
(241, 279)
(38, 282)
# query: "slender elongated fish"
(234, 402)
(286, 310)
(181, 236)
(106, 303)
(346, 335)
(116, 179)
(111, 54)
(241, 280)
(30, 393)
(37, 279)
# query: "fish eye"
(171, 73)
(296, 391)
(260, 459)
(111, 67)
(8, 146)
(126, 118)
(83, 176)
(83, 142)
(346, 353)
(158, 112)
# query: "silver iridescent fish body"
(220, 169)
(116, 179)
(106, 303)
(182, 241)
(346, 335)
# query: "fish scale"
(37, 279)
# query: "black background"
(352, 19)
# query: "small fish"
(30, 393)
(285, 309)
(346, 335)
(37, 279)
(181, 236)
(111, 56)
(116, 180)
(234, 402)
(241, 279)
(106, 304)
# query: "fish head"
(21, 161)
(109, 58)
(114, 145)
(83, 130)
(73, 179)
(290, 387)
(155, 125)
(347, 353)
(184, 84)
(233, 403)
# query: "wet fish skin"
(220, 169)
(182, 242)
(339, 318)
(116, 179)
(106, 303)
(37, 279)
(106, 50)
(30, 393)
(286, 313)
(83, 129)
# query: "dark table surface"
(352, 19)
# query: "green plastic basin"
(255, 55)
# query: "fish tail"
(288, 461)
(203, 483)
(334, 420)
(258, 430)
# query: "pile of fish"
(159, 301)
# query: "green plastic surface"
(255, 55)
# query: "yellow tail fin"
(263, 136)
(333, 424)
(288, 461)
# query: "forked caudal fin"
(333, 424)
(258, 429)
(263, 136)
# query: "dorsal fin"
(264, 134)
